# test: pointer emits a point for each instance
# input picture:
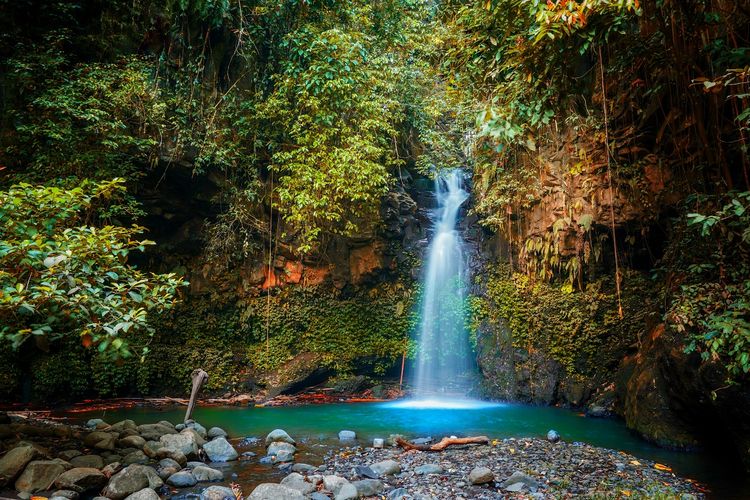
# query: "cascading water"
(443, 357)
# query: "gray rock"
(428, 469)
(347, 492)
(302, 467)
(219, 450)
(167, 467)
(136, 457)
(193, 464)
(279, 435)
(399, 494)
(24, 495)
(69, 494)
(93, 423)
(368, 487)
(166, 424)
(198, 428)
(515, 487)
(69, 455)
(131, 479)
(144, 494)
(81, 480)
(215, 432)
(298, 482)
(198, 438)
(423, 440)
(266, 460)
(15, 461)
(217, 493)
(110, 470)
(553, 436)
(275, 448)
(175, 455)
(364, 471)
(153, 432)
(283, 456)
(481, 475)
(273, 491)
(386, 467)
(318, 496)
(334, 483)
(347, 435)
(520, 477)
(168, 462)
(91, 461)
(596, 411)
(123, 425)
(101, 440)
(39, 475)
(151, 448)
(179, 427)
(132, 442)
(182, 479)
(184, 443)
(207, 474)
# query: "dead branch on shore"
(442, 444)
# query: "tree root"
(442, 444)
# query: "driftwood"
(442, 444)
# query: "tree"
(61, 275)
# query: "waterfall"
(443, 356)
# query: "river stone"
(364, 471)
(184, 443)
(110, 470)
(175, 455)
(266, 460)
(347, 435)
(273, 491)
(399, 494)
(69, 494)
(94, 423)
(131, 479)
(278, 446)
(15, 461)
(347, 492)
(279, 435)
(334, 483)
(101, 440)
(219, 450)
(302, 467)
(481, 475)
(123, 425)
(553, 436)
(182, 479)
(428, 469)
(368, 487)
(198, 428)
(144, 494)
(69, 455)
(81, 480)
(39, 475)
(198, 438)
(153, 432)
(297, 481)
(167, 467)
(283, 456)
(132, 442)
(386, 467)
(91, 461)
(193, 464)
(136, 457)
(519, 477)
(424, 440)
(217, 493)
(215, 432)
(207, 474)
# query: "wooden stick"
(443, 444)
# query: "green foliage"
(712, 304)
(60, 279)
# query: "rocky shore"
(125, 461)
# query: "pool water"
(320, 424)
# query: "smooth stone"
(215, 432)
(399, 494)
(182, 479)
(386, 467)
(597, 411)
(198, 438)
(81, 480)
(136, 457)
(297, 482)
(154, 432)
(481, 475)
(279, 435)
(175, 455)
(184, 443)
(276, 447)
(69, 494)
(132, 442)
(39, 475)
(247, 455)
(347, 435)
(520, 477)
(131, 479)
(207, 474)
(217, 493)
(334, 483)
(219, 450)
(91, 461)
(364, 471)
(368, 487)
(198, 428)
(315, 495)
(15, 461)
(515, 487)
(24, 495)
(301, 467)
(428, 469)
(69, 455)
(92, 423)
(553, 436)
(266, 460)
(273, 491)
(347, 492)
(144, 494)
(111, 469)
(193, 464)
(283, 456)
(101, 440)
(168, 462)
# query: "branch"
(443, 444)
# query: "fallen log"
(442, 444)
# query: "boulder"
(132, 442)
(219, 450)
(481, 475)
(69, 455)
(347, 492)
(197, 428)
(153, 432)
(101, 440)
(215, 432)
(136, 457)
(368, 487)
(94, 423)
(205, 474)
(273, 491)
(39, 475)
(90, 461)
(110, 470)
(279, 435)
(334, 484)
(81, 480)
(386, 467)
(283, 456)
(69, 494)
(347, 435)
(123, 425)
(151, 448)
(217, 493)
(275, 448)
(182, 479)
(184, 443)
(144, 494)
(131, 479)
(300, 483)
(198, 438)
(15, 461)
